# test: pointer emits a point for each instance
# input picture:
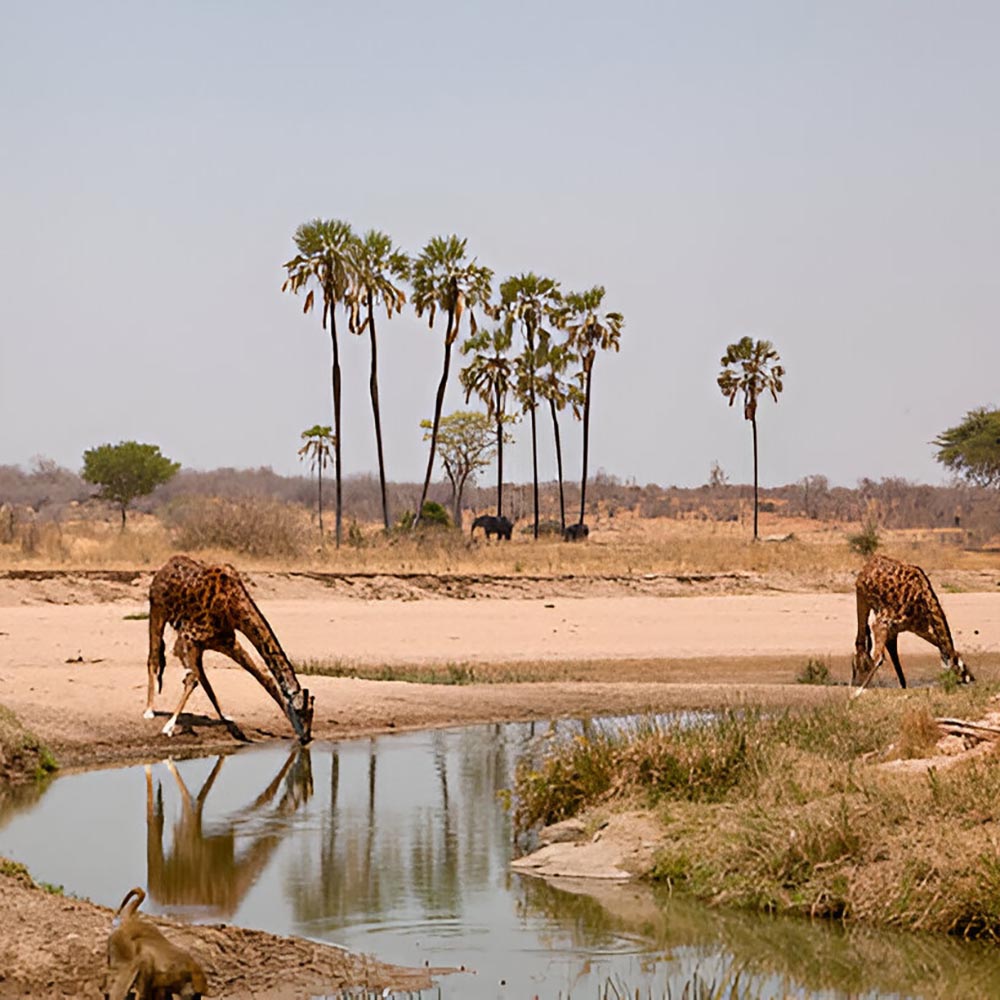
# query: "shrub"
(814, 672)
(867, 540)
(433, 516)
(251, 525)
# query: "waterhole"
(399, 846)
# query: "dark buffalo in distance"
(576, 532)
(499, 526)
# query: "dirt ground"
(72, 666)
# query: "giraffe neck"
(256, 628)
(946, 644)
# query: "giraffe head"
(957, 666)
(863, 668)
(299, 709)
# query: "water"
(399, 847)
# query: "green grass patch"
(136, 616)
(22, 754)
(444, 673)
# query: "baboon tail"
(127, 908)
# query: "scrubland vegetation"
(812, 812)
(259, 519)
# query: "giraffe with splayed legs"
(898, 598)
(207, 605)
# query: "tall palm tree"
(316, 449)
(443, 278)
(530, 302)
(751, 367)
(376, 264)
(589, 330)
(560, 393)
(490, 375)
(325, 258)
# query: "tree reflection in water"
(205, 869)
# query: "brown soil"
(72, 666)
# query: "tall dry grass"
(817, 813)
(256, 533)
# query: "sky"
(820, 175)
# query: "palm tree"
(325, 259)
(530, 301)
(318, 439)
(444, 279)
(589, 330)
(490, 375)
(751, 367)
(560, 392)
(376, 263)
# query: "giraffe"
(207, 604)
(214, 869)
(902, 600)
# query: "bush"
(251, 526)
(814, 672)
(867, 540)
(433, 516)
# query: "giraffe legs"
(191, 654)
(157, 660)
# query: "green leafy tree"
(530, 303)
(325, 259)
(751, 367)
(589, 330)
(466, 445)
(318, 441)
(972, 449)
(126, 470)
(443, 278)
(490, 375)
(377, 264)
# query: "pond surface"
(400, 847)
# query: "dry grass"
(790, 812)
(281, 537)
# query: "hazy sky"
(823, 175)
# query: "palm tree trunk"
(336, 418)
(373, 389)
(438, 406)
(586, 439)
(753, 424)
(499, 458)
(534, 438)
(319, 479)
(559, 467)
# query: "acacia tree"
(325, 258)
(972, 449)
(443, 278)
(490, 375)
(752, 367)
(465, 444)
(589, 330)
(316, 449)
(530, 302)
(126, 470)
(376, 264)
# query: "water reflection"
(398, 846)
(204, 868)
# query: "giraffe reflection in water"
(205, 869)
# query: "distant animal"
(575, 532)
(207, 604)
(901, 598)
(142, 960)
(499, 526)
